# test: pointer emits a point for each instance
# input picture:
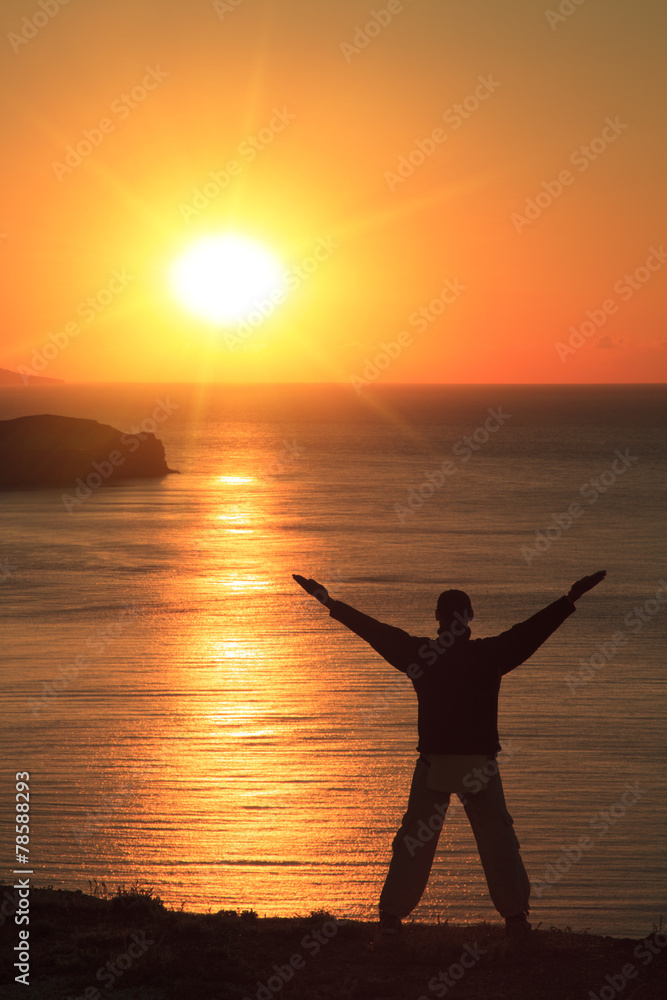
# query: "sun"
(222, 278)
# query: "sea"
(193, 723)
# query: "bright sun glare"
(222, 278)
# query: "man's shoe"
(517, 927)
(389, 924)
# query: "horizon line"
(386, 384)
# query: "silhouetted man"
(457, 680)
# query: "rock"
(48, 450)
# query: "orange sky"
(317, 119)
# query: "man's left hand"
(586, 583)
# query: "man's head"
(453, 608)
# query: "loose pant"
(415, 843)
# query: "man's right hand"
(586, 583)
(313, 588)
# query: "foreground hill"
(131, 946)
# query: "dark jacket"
(457, 679)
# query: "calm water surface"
(226, 742)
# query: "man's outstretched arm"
(398, 647)
(515, 646)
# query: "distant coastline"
(8, 377)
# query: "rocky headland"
(45, 450)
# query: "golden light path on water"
(234, 752)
